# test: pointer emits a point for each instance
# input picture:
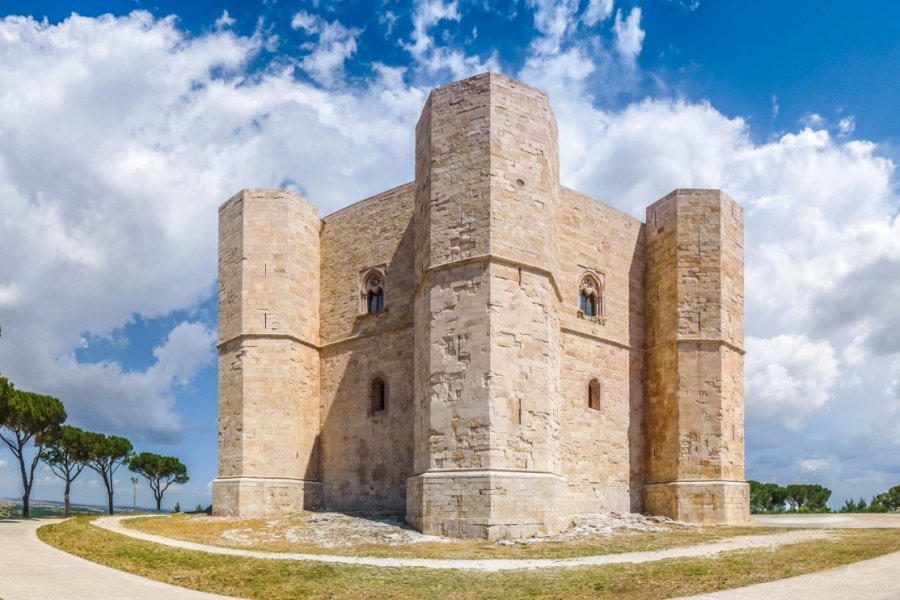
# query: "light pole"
(134, 481)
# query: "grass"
(259, 578)
(207, 531)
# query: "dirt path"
(32, 570)
(488, 565)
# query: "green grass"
(275, 579)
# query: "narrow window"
(375, 293)
(594, 394)
(590, 297)
(379, 395)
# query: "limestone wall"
(486, 325)
(602, 450)
(695, 357)
(268, 358)
(366, 457)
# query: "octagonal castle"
(482, 348)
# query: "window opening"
(594, 394)
(375, 293)
(590, 297)
(379, 395)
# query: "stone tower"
(695, 368)
(486, 324)
(268, 358)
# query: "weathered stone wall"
(268, 357)
(486, 328)
(695, 358)
(602, 450)
(366, 457)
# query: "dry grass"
(270, 579)
(272, 533)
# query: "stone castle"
(482, 349)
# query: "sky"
(124, 125)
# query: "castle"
(482, 349)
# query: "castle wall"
(488, 430)
(268, 358)
(695, 358)
(365, 456)
(486, 328)
(602, 450)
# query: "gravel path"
(488, 565)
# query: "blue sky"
(125, 125)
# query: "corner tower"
(487, 348)
(695, 365)
(268, 357)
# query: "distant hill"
(11, 508)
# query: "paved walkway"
(875, 579)
(486, 565)
(32, 570)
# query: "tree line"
(39, 419)
(796, 497)
(884, 502)
(803, 497)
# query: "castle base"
(706, 502)
(258, 496)
(486, 504)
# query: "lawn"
(260, 578)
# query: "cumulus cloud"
(435, 59)
(787, 377)
(597, 11)
(847, 125)
(629, 35)
(225, 20)
(113, 163)
(334, 45)
(812, 465)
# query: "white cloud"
(846, 126)
(812, 465)
(629, 35)
(597, 11)
(552, 19)
(812, 120)
(788, 377)
(2, 463)
(436, 59)
(113, 163)
(388, 19)
(426, 15)
(305, 21)
(225, 20)
(326, 56)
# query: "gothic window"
(378, 395)
(591, 298)
(594, 392)
(373, 291)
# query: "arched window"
(591, 303)
(378, 395)
(374, 291)
(594, 393)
